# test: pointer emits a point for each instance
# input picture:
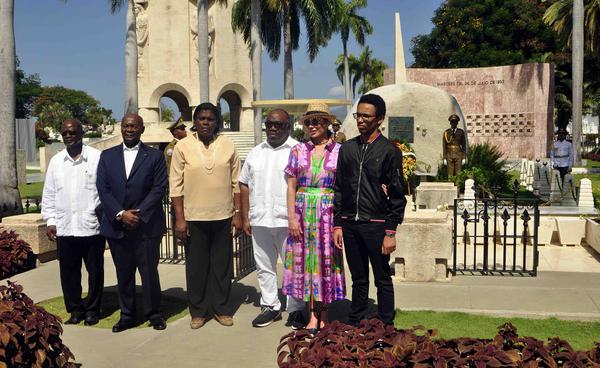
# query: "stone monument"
(416, 113)
(168, 60)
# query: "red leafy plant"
(373, 344)
(29, 335)
(15, 255)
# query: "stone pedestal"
(568, 192)
(586, 198)
(571, 230)
(423, 246)
(32, 229)
(431, 195)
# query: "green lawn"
(32, 171)
(31, 190)
(172, 308)
(595, 178)
(581, 335)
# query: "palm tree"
(560, 17)
(256, 51)
(349, 20)
(576, 22)
(131, 55)
(354, 73)
(363, 68)
(281, 18)
(10, 200)
(202, 7)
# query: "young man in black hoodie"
(369, 206)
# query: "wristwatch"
(390, 235)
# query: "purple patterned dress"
(313, 266)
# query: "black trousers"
(563, 171)
(208, 267)
(132, 252)
(71, 251)
(362, 242)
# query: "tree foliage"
(75, 101)
(364, 68)
(560, 17)
(485, 33)
(166, 113)
(27, 88)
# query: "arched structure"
(240, 106)
(168, 60)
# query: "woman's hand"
(236, 224)
(182, 232)
(294, 228)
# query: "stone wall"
(509, 106)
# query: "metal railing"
(496, 236)
(172, 250)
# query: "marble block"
(32, 229)
(431, 195)
(423, 246)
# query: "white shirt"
(130, 154)
(263, 173)
(562, 154)
(70, 195)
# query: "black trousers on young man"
(362, 243)
(72, 250)
(208, 267)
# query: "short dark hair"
(375, 100)
(287, 115)
(212, 108)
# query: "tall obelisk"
(400, 67)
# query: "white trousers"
(269, 243)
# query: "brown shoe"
(197, 322)
(224, 320)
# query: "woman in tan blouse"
(203, 181)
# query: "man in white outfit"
(561, 153)
(69, 205)
(264, 215)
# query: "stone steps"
(244, 142)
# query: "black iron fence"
(496, 236)
(173, 250)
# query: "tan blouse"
(206, 177)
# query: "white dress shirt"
(263, 173)
(130, 154)
(70, 196)
(562, 154)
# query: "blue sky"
(79, 44)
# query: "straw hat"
(318, 110)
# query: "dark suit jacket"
(144, 190)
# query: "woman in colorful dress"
(313, 265)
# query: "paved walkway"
(564, 294)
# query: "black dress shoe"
(158, 323)
(74, 319)
(91, 319)
(122, 326)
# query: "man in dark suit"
(131, 181)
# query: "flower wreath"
(409, 159)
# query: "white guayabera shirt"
(263, 173)
(70, 196)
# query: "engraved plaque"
(401, 128)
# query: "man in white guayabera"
(264, 216)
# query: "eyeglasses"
(313, 122)
(68, 132)
(274, 124)
(358, 115)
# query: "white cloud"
(337, 91)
